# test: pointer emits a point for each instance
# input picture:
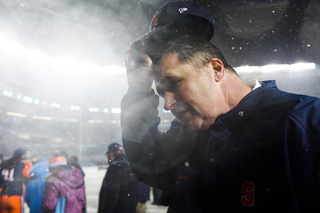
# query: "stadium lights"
(7, 93)
(93, 109)
(116, 110)
(302, 66)
(276, 67)
(75, 107)
(55, 105)
(17, 114)
(27, 99)
(24, 136)
(95, 121)
(41, 118)
(13, 48)
(71, 120)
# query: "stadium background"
(62, 64)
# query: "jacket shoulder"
(277, 103)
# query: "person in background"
(65, 181)
(34, 159)
(36, 185)
(12, 179)
(119, 189)
(1, 161)
(27, 168)
(1, 158)
(143, 197)
(73, 161)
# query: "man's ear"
(217, 68)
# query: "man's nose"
(169, 101)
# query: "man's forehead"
(167, 66)
(167, 73)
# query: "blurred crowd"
(57, 184)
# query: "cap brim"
(138, 43)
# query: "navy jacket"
(119, 190)
(261, 155)
(11, 180)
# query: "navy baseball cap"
(115, 147)
(174, 19)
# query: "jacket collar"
(225, 124)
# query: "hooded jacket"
(68, 182)
(36, 186)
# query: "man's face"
(190, 93)
(110, 157)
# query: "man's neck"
(236, 90)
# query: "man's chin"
(194, 126)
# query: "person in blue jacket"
(233, 147)
(36, 186)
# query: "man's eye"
(168, 86)
(174, 84)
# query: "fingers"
(139, 66)
(140, 79)
(129, 63)
(137, 58)
(147, 60)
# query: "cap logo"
(155, 20)
(183, 9)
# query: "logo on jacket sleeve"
(183, 177)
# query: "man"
(241, 147)
(260, 146)
(119, 190)
(175, 162)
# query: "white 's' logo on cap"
(184, 9)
